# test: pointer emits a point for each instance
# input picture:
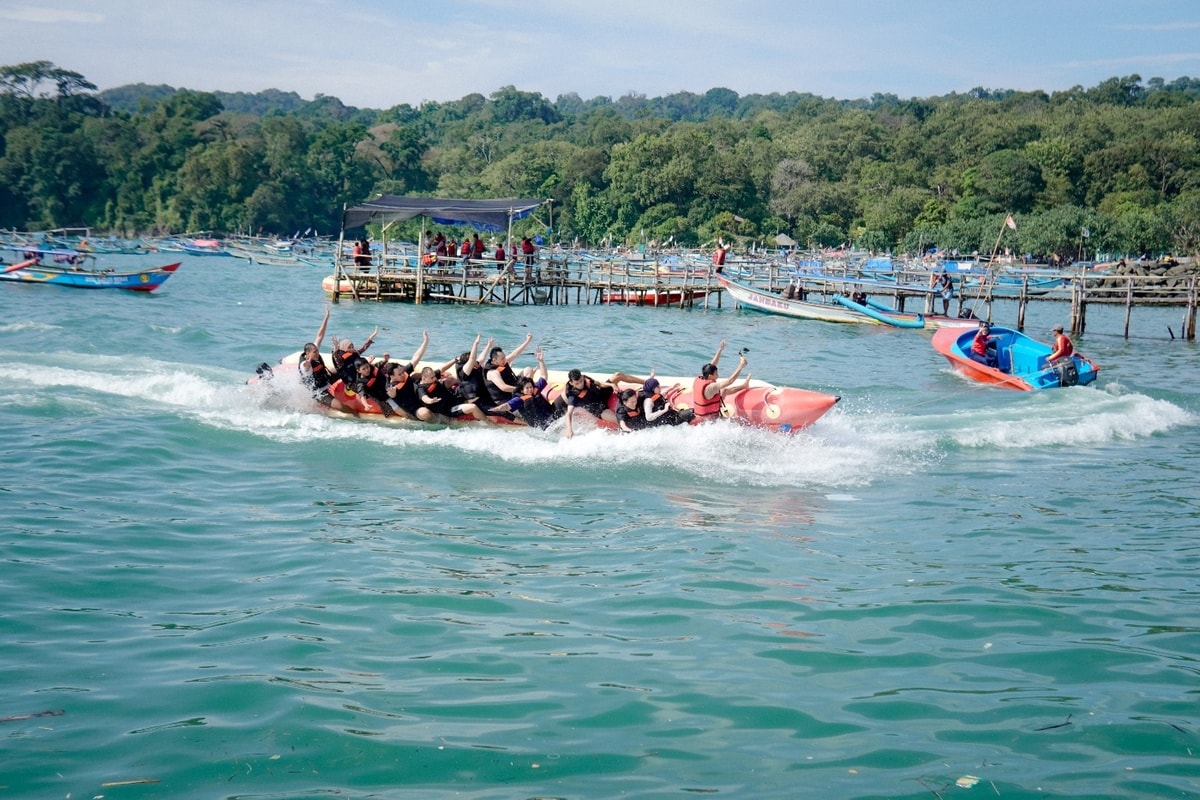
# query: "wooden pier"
(547, 282)
(563, 281)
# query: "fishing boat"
(778, 408)
(204, 247)
(1009, 285)
(30, 271)
(803, 309)
(894, 318)
(931, 320)
(1021, 361)
(654, 297)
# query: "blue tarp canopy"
(493, 215)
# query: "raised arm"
(321, 330)
(369, 340)
(741, 387)
(520, 348)
(541, 359)
(717, 356)
(725, 384)
(420, 353)
(472, 355)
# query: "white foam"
(848, 447)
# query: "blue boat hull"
(144, 281)
(1021, 361)
(896, 319)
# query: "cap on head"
(1057, 329)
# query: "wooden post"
(1082, 309)
(420, 286)
(337, 261)
(1128, 303)
(1192, 302)
(1078, 307)
(1022, 302)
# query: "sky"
(382, 53)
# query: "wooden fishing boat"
(802, 309)
(204, 247)
(30, 271)
(653, 297)
(779, 408)
(1006, 284)
(1021, 361)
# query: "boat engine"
(1068, 373)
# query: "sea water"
(940, 589)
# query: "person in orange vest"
(708, 389)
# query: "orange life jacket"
(705, 406)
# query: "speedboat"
(1020, 361)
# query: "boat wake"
(1077, 417)
(853, 445)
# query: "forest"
(1084, 172)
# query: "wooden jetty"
(565, 278)
(552, 281)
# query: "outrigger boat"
(803, 309)
(890, 317)
(653, 297)
(1021, 361)
(931, 320)
(31, 271)
(761, 404)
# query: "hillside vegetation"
(1113, 168)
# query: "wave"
(853, 445)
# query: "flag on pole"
(1010, 222)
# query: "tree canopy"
(1113, 168)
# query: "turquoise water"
(208, 593)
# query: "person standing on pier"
(944, 286)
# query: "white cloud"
(53, 16)
(1160, 27)
(379, 53)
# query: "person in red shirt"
(719, 255)
(983, 347)
(1063, 348)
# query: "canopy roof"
(486, 214)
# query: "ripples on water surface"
(220, 594)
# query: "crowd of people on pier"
(481, 384)
(442, 251)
